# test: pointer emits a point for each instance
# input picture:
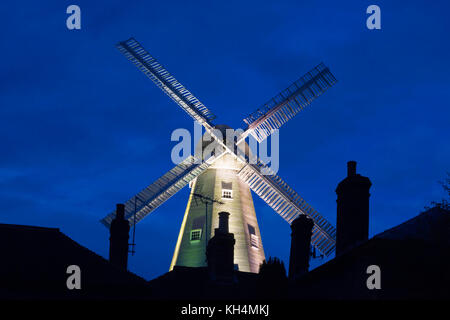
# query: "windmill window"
(196, 230)
(227, 194)
(254, 241)
(227, 190)
(196, 235)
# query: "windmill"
(229, 174)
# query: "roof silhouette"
(35, 260)
(414, 259)
(432, 226)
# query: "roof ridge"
(428, 214)
(28, 227)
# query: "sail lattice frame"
(160, 191)
(278, 110)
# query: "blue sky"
(82, 129)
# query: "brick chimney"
(118, 240)
(352, 210)
(300, 246)
(220, 252)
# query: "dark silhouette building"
(35, 260)
(413, 260)
(352, 225)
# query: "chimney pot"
(118, 240)
(223, 222)
(120, 211)
(351, 168)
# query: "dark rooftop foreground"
(414, 259)
(35, 261)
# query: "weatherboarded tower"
(221, 183)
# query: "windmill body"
(230, 173)
(220, 181)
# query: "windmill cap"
(222, 128)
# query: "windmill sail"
(289, 102)
(166, 82)
(261, 124)
(161, 190)
(288, 204)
